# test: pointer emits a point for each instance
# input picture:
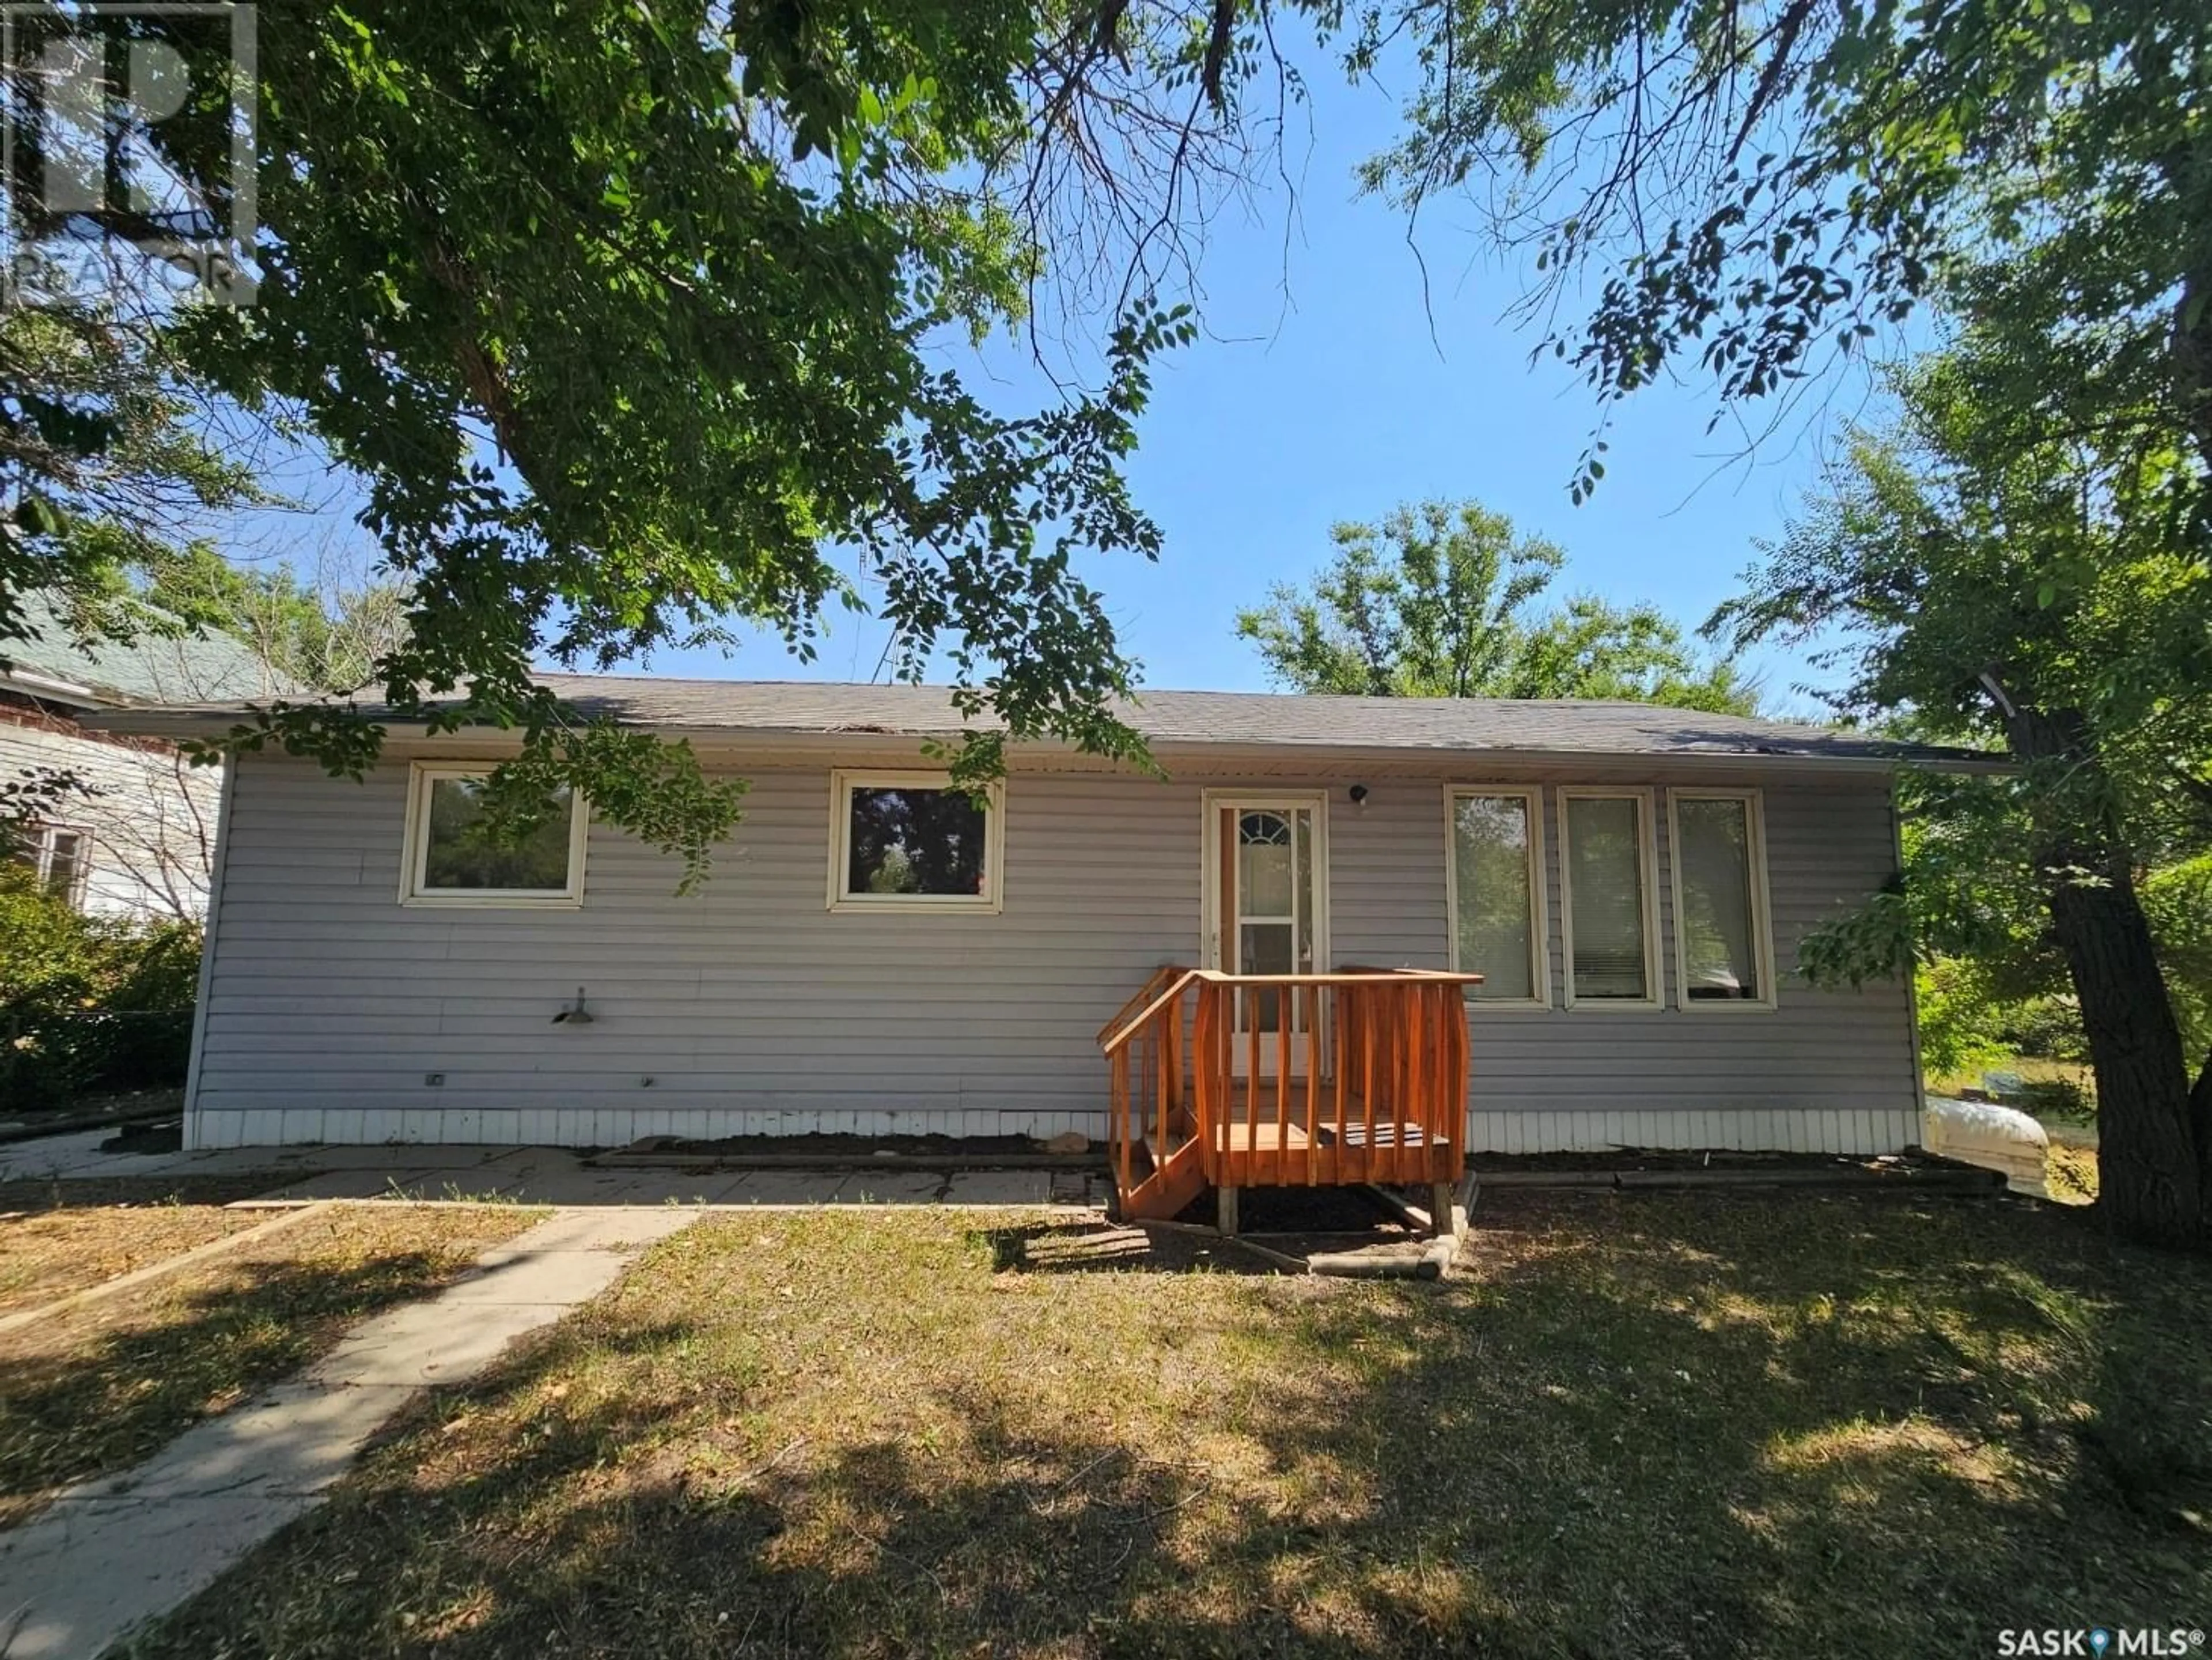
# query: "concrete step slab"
(995, 1187)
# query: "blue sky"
(1322, 393)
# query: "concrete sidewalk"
(110, 1554)
(542, 1175)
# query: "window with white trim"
(1608, 869)
(58, 857)
(1723, 937)
(1496, 878)
(451, 861)
(904, 841)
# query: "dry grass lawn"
(1656, 1425)
(100, 1386)
(48, 1252)
(2069, 1174)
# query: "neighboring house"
(875, 953)
(138, 841)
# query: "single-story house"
(875, 953)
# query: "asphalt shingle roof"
(1179, 720)
(1256, 718)
(153, 669)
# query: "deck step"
(1174, 1182)
(1386, 1134)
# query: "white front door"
(1267, 913)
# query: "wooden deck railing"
(1296, 1079)
(1147, 1047)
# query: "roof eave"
(1737, 759)
(51, 688)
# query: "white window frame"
(1762, 921)
(1540, 898)
(41, 860)
(416, 854)
(1647, 810)
(991, 901)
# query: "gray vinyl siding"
(750, 994)
(753, 1007)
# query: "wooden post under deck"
(1227, 1222)
(1441, 1195)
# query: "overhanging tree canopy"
(625, 311)
(1751, 189)
(626, 314)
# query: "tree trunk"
(2185, 166)
(2200, 1125)
(2150, 1175)
(2192, 357)
(2150, 1160)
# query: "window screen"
(1495, 917)
(1717, 900)
(1608, 956)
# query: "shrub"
(2049, 1028)
(87, 1002)
(2061, 1098)
(1960, 1018)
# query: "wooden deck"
(1266, 1153)
(1362, 1078)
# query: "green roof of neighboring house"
(55, 666)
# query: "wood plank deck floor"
(1292, 1138)
(1256, 1118)
(1256, 1149)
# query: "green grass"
(1658, 1425)
(99, 1387)
(2034, 1072)
(2031, 1068)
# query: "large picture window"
(1607, 870)
(906, 839)
(450, 862)
(1496, 881)
(1723, 940)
